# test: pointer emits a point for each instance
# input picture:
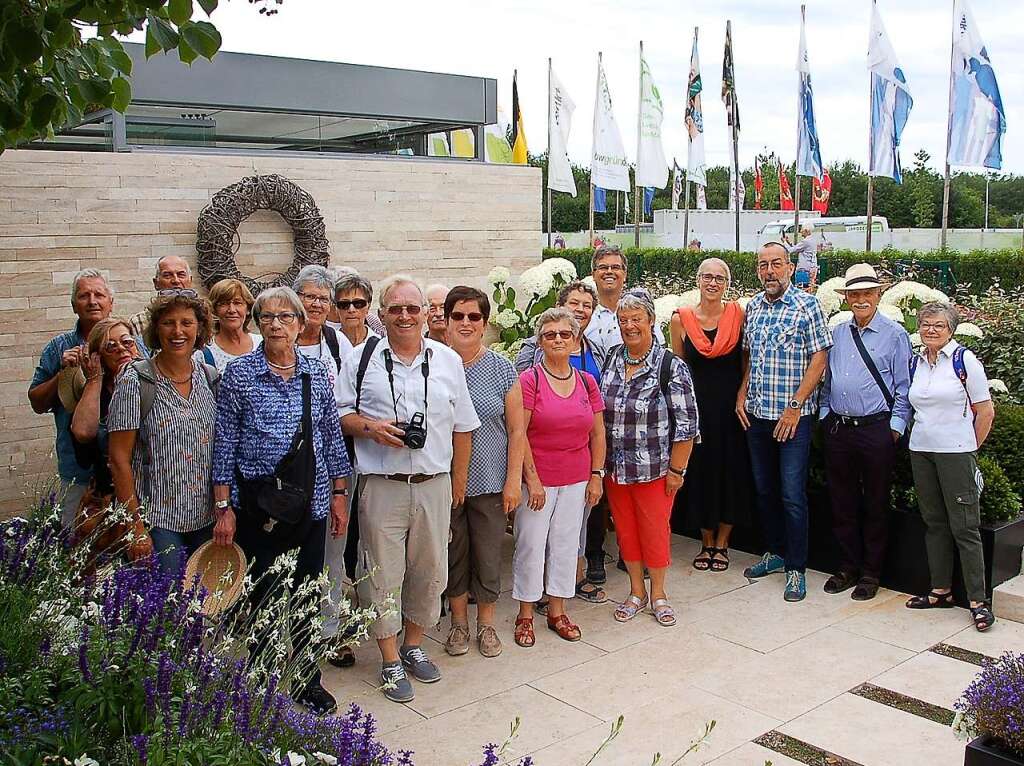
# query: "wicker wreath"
(217, 238)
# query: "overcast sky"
(490, 38)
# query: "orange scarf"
(729, 328)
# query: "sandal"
(663, 612)
(983, 617)
(629, 608)
(718, 565)
(702, 561)
(541, 607)
(589, 592)
(932, 601)
(564, 627)
(524, 632)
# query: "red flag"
(758, 186)
(785, 195)
(822, 194)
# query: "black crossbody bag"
(285, 496)
(870, 364)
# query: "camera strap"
(389, 366)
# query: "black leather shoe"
(595, 571)
(343, 658)
(317, 700)
(840, 581)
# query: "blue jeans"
(780, 481)
(169, 546)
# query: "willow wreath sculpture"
(217, 239)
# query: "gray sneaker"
(395, 683)
(488, 641)
(416, 660)
(457, 642)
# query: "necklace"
(173, 380)
(280, 366)
(556, 377)
(636, 362)
(472, 361)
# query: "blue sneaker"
(395, 683)
(416, 660)
(769, 564)
(796, 586)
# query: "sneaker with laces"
(416, 660)
(395, 683)
(770, 563)
(796, 586)
(487, 641)
(457, 642)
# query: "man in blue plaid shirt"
(786, 339)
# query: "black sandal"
(702, 561)
(717, 565)
(942, 601)
(983, 617)
(587, 591)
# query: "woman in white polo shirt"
(953, 415)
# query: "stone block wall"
(448, 222)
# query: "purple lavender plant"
(993, 705)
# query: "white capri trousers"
(549, 536)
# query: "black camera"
(415, 435)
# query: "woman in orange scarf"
(717, 489)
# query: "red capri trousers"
(641, 513)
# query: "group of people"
(393, 448)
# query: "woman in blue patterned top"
(495, 474)
(259, 415)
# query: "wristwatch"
(794, 404)
(343, 492)
(678, 472)
(222, 505)
(599, 472)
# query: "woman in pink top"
(563, 471)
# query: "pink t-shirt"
(559, 431)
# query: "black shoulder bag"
(285, 496)
(870, 364)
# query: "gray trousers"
(949, 495)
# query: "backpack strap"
(960, 368)
(212, 378)
(364, 361)
(331, 336)
(664, 379)
(914, 359)
(147, 386)
(612, 353)
(208, 357)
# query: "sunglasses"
(412, 309)
(358, 303)
(472, 316)
(112, 345)
(552, 334)
(183, 292)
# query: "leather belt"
(861, 420)
(410, 478)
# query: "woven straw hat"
(221, 570)
(70, 384)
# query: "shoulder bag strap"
(870, 364)
(364, 361)
(664, 378)
(331, 336)
(309, 456)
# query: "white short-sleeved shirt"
(943, 420)
(449, 409)
(323, 353)
(604, 331)
(222, 357)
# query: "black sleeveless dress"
(718, 479)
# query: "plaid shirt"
(636, 417)
(781, 337)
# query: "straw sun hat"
(70, 384)
(221, 571)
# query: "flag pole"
(735, 138)
(549, 153)
(590, 242)
(638, 210)
(949, 118)
(686, 207)
(871, 160)
(799, 142)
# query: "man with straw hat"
(864, 411)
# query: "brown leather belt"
(410, 478)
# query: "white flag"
(732, 189)
(977, 120)
(890, 103)
(696, 164)
(808, 161)
(677, 185)
(651, 165)
(609, 168)
(560, 109)
(702, 198)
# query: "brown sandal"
(564, 627)
(524, 632)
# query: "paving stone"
(929, 677)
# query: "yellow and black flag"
(518, 133)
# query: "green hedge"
(974, 271)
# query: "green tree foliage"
(61, 59)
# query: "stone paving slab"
(929, 677)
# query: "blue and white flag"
(976, 120)
(808, 161)
(890, 103)
(648, 200)
(600, 203)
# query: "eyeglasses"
(127, 343)
(175, 292)
(937, 326)
(718, 279)
(315, 299)
(609, 267)
(472, 316)
(412, 309)
(552, 334)
(284, 317)
(358, 303)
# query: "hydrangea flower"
(838, 318)
(561, 267)
(536, 280)
(903, 293)
(505, 319)
(893, 312)
(915, 339)
(498, 275)
(665, 306)
(743, 300)
(969, 330)
(589, 280)
(997, 386)
(830, 300)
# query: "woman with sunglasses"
(161, 459)
(494, 486)
(353, 295)
(232, 307)
(563, 468)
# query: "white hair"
(89, 274)
(436, 287)
(715, 262)
(163, 258)
(283, 294)
(397, 280)
(314, 275)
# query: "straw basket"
(221, 571)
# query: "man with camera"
(405, 402)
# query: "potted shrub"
(990, 712)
